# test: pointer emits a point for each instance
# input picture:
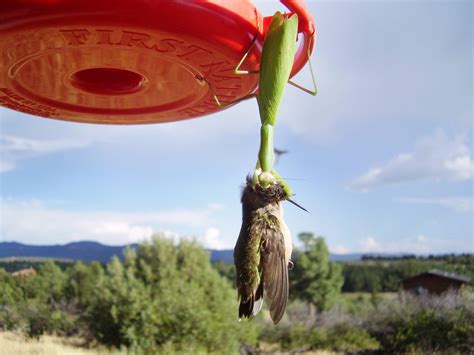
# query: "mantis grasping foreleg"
(275, 68)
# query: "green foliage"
(427, 324)
(162, 296)
(346, 337)
(12, 264)
(305, 333)
(83, 281)
(167, 295)
(226, 270)
(40, 319)
(36, 303)
(10, 296)
(314, 278)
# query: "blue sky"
(382, 157)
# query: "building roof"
(444, 274)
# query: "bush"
(304, 330)
(346, 337)
(167, 296)
(428, 324)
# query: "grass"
(15, 344)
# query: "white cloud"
(419, 244)
(212, 239)
(421, 238)
(34, 222)
(26, 146)
(458, 204)
(13, 149)
(339, 249)
(369, 245)
(112, 229)
(435, 157)
(5, 166)
(216, 206)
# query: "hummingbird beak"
(297, 205)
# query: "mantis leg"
(221, 105)
(282, 181)
(237, 71)
(265, 155)
(237, 68)
(255, 175)
(311, 92)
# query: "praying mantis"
(263, 250)
(275, 68)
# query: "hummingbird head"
(258, 196)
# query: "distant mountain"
(226, 255)
(345, 257)
(86, 251)
(94, 251)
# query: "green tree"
(83, 279)
(166, 296)
(226, 270)
(10, 296)
(315, 279)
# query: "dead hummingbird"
(263, 250)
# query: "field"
(13, 343)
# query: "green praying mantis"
(275, 68)
(263, 249)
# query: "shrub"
(346, 337)
(304, 330)
(428, 324)
(166, 296)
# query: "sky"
(382, 157)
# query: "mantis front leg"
(265, 153)
(264, 172)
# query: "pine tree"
(315, 279)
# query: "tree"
(83, 279)
(315, 279)
(165, 296)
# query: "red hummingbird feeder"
(132, 61)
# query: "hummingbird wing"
(247, 261)
(274, 268)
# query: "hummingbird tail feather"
(253, 304)
(258, 299)
(245, 308)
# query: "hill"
(84, 250)
(94, 251)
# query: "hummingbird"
(262, 252)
